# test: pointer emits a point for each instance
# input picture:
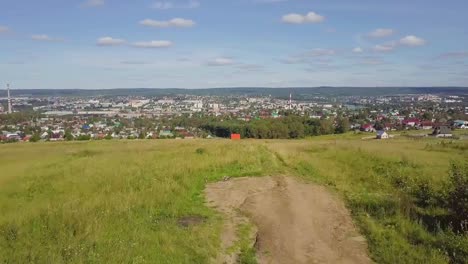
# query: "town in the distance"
(27, 116)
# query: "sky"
(99, 44)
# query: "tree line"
(288, 127)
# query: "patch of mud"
(191, 220)
(295, 222)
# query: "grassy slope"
(376, 179)
(120, 201)
(115, 202)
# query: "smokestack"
(9, 99)
(290, 101)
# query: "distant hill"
(251, 91)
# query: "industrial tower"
(290, 101)
(10, 110)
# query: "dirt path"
(297, 222)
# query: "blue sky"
(221, 43)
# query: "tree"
(326, 127)
(296, 130)
(35, 138)
(458, 197)
(68, 136)
(84, 137)
(427, 116)
(342, 126)
(379, 126)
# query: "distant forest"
(297, 92)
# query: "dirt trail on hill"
(295, 222)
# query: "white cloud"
(293, 60)
(381, 33)
(372, 61)
(154, 44)
(320, 52)
(250, 67)
(384, 47)
(454, 55)
(269, 1)
(4, 29)
(220, 61)
(311, 17)
(412, 41)
(164, 5)
(358, 50)
(312, 56)
(134, 62)
(94, 3)
(109, 41)
(175, 22)
(43, 37)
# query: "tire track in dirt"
(296, 222)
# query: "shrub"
(458, 197)
(200, 151)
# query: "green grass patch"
(143, 202)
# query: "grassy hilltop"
(128, 201)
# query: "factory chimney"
(10, 110)
(290, 101)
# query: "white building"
(381, 134)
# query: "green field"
(126, 201)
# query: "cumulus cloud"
(164, 5)
(220, 61)
(358, 50)
(269, 1)
(412, 41)
(109, 41)
(454, 55)
(320, 52)
(372, 61)
(312, 56)
(154, 44)
(310, 17)
(4, 29)
(250, 67)
(94, 3)
(293, 60)
(135, 62)
(409, 41)
(385, 47)
(175, 22)
(43, 37)
(381, 33)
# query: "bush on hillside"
(458, 197)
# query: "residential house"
(13, 136)
(186, 135)
(367, 128)
(460, 124)
(426, 125)
(389, 126)
(165, 133)
(411, 122)
(442, 131)
(381, 134)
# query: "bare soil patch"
(191, 220)
(295, 222)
